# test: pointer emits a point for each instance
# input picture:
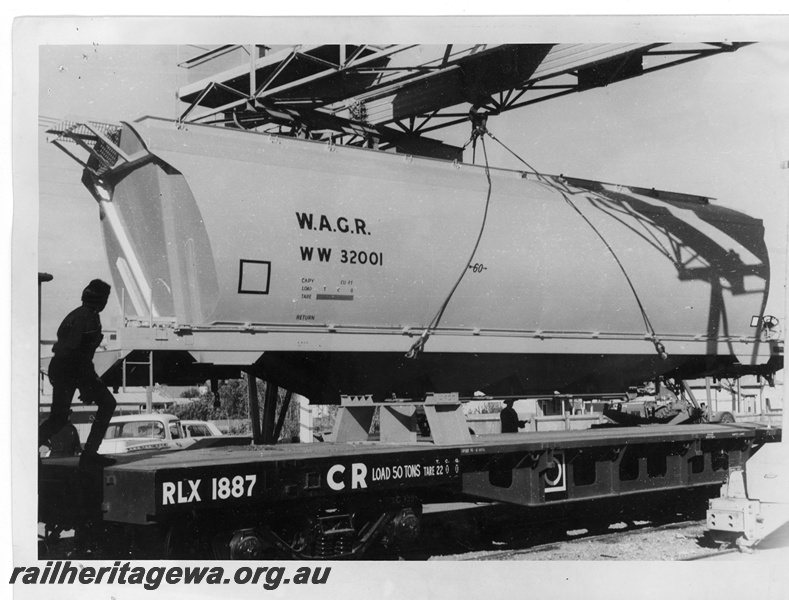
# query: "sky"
(715, 127)
(103, 83)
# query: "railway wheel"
(50, 538)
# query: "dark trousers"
(92, 391)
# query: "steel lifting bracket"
(692, 448)
(542, 460)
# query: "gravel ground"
(678, 541)
(681, 541)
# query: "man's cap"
(96, 291)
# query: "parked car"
(133, 433)
(199, 429)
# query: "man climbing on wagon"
(71, 369)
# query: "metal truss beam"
(415, 99)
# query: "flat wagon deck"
(335, 499)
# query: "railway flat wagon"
(338, 500)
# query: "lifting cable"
(479, 130)
(653, 336)
(418, 345)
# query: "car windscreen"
(197, 430)
(136, 429)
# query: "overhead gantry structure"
(392, 96)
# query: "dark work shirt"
(509, 420)
(78, 337)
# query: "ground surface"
(680, 541)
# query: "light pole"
(785, 417)
(42, 278)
